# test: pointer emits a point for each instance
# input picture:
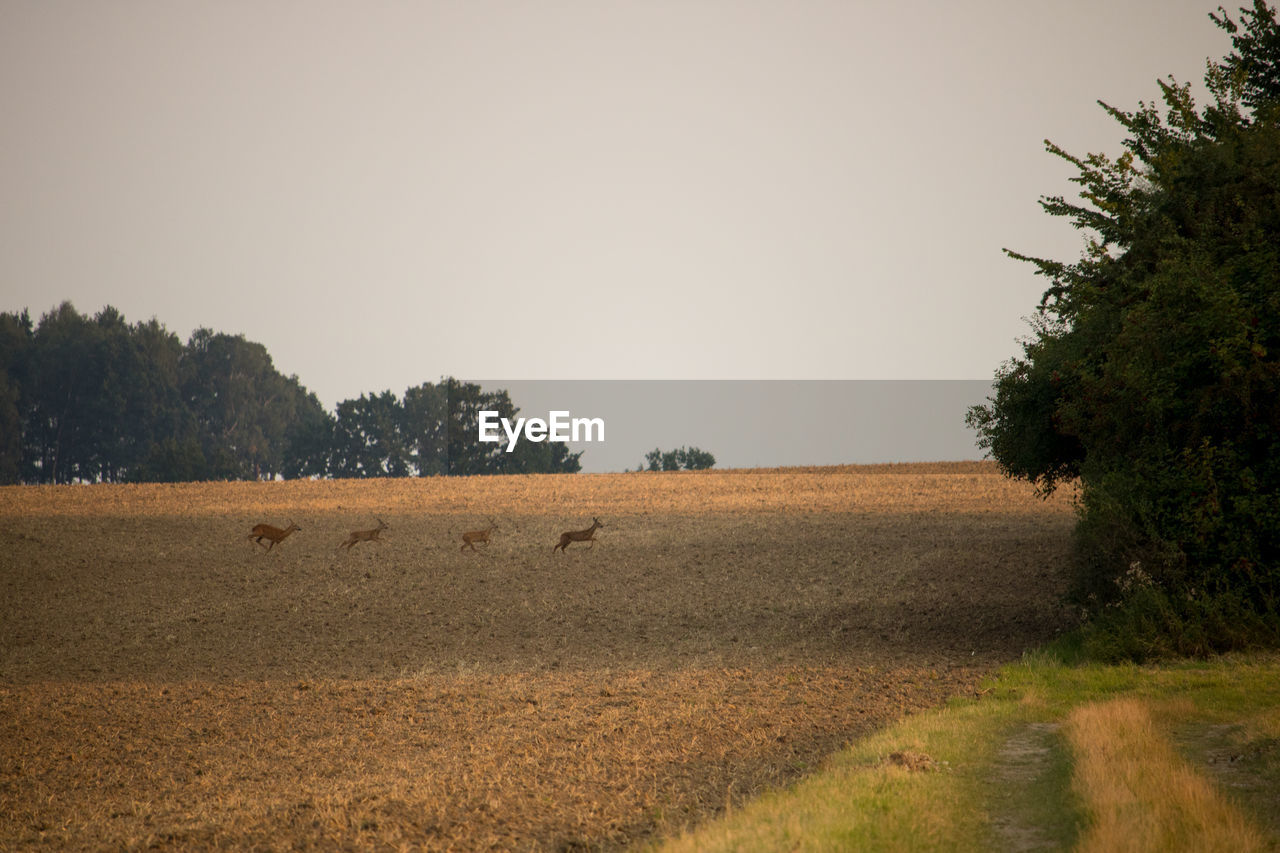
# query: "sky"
(387, 193)
(753, 423)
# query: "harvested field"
(164, 681)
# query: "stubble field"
(164, 681)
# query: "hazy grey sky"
(384, 193)
(762, 424)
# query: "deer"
(588, 535)
(275, 534)
(476, 537)
(364, 535)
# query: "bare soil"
(167, 682)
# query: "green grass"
(999, 769)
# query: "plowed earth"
(167, 682)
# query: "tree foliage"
(1151, 375)
(247, 415)
(16, 342)
(96, 399)
(680, 459)
(435, 430)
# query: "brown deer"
(275, 534)
(477, 537)
(588, 535)
(364, 535)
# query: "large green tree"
(1152, 375)
(468, 455)
(369, 438)
(465, 454)
(308, 436)
(434, 430)
(248, 417)
(16, 343)
(92, 396)
(426, 428)
(62, 384)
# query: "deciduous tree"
(1152, 375)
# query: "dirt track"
(165, 680)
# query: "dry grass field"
(166, 682)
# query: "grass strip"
(1049, 756)
(1140, 794)
(917, 785)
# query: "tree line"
(98, 399)
(680, 459)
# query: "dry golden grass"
(952, 487)
(1140, 795)
(165, 681)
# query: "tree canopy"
(680, 459)
(96, 399)
(1151, 375)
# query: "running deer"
(588, 535)
(364, 535)
(275, 534)
(476, 537)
